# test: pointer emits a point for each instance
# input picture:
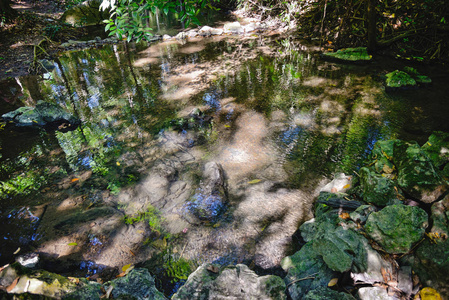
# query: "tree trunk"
(6, 10)
(372, 29)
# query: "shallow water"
(283, 122)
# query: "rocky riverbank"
(381, 234)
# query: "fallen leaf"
(4, 267)
(254, 181)
(72, 244)
(227, 126)
(126, 267)
(347, 186)
(12, 285)
(429, 293)
(333, 282)
(74, 179)
(17, 251)
(344, 216)
(117, 163)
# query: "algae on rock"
(397, 227)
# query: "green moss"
(397, 79)
(350, 54)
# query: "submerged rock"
(397, 227)
(210, 200)
(359, 54)
(43, 115)
(234, 282)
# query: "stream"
(115, 191)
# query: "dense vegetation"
(411, 29)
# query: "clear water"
(282, 121)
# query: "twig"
(311, 276)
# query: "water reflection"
(281, 120)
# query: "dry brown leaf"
(12, 285)
(344, 216)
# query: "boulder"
(233, 282)
(377, 189)
(43, 115)
(210, 199)
(306, 271)
(233, 28)
(137, 284)
(417, 176)
(85, 14)
(362, 213)
(359, 54)
(397, 227)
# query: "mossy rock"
(324, 293)
(304, 264)
(377, 189)
(352, 55)
(437, 149)
(399, 79)
(417, 176)
(397, 227)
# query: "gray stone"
(397, 227)
(208, 31)
(233, 28)
(233, 282)
(373, 273)
(371, 293)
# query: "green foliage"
(152, 216)
(23, 184)
(128, 18)
(51, 30)
(177, 268)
